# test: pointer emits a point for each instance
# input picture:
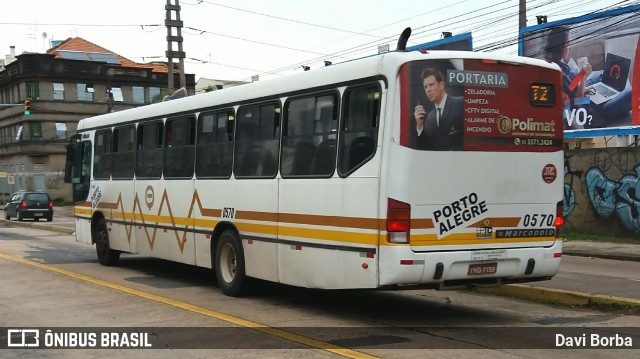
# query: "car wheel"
(106, 255)
(49, 219)
(229, 265)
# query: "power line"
(285, 19)
(362, 47)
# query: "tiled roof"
(80, 44)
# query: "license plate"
(37, 214)
(482, 268)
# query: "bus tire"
(229, 265)
(106, 255)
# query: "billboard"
(597, 54)
(460, 42)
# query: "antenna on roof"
(402, 41)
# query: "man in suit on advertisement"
(440, 129)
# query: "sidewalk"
(616, 251)
(530, 291)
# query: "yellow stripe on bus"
(340, 236)
(463, 239)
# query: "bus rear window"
(475, 105)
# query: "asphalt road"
(50, 281)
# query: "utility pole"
(176, 23)
(522, 11)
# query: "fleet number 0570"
(538, 220)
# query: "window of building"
(179, 151)
(85, 92)
(138, 94)
(33, 90)
(149, 150)
(102, 155)
(257, 141)
(116, 92)
(155, 95)
(61, 130)
(35, 130)
(123, 155)
(359, 128)
(214, 151)
(58, 91)
(309, 136)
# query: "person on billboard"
(576, 83)
(557, 51)
(441, 128)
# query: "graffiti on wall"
(610, 186)
(569, 195)
(616, 197)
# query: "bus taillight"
(398, 221)
(559, 219)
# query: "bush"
(58, 202)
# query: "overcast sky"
(235, 39)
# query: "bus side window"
(102, 155)
(359, 129)
(308, 149)
(214, 150)
(149, 153)
(123, 156)
(257, 141)
(179, 151)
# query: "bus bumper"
(399, 265)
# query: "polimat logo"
(504, 125)
(507, 125)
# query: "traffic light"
(27, 107)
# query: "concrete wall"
(602, 191)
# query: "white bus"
(346, 176)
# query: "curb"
(617, 257)
(44, 227)
(560, 296)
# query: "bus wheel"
(229, 265)
(106, 255)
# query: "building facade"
(74, 80)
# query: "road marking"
(200, 310)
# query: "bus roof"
(385, 65)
